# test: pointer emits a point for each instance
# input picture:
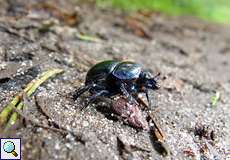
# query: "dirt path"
(193, 56)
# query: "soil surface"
(192, 56)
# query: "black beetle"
(112, 77)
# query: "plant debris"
(158, 137)
(204, 131)
(16, 102)
(138, 28)
(87, 38)
(189, 152)
(130, 113)
(215, 99)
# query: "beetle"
(110, 77)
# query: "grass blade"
(29, 90)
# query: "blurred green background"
(211, 10)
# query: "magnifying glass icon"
(9, 147)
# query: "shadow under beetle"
(112, 77)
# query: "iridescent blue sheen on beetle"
(111, 77)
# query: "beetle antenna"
(157, 76)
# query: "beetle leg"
(141, 101)
(147, 96)
(127, 94)
(83, 90)
(96, 95)
(97, 88)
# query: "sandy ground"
(192, 56)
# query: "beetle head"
(149, 81)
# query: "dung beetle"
(111, 77)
